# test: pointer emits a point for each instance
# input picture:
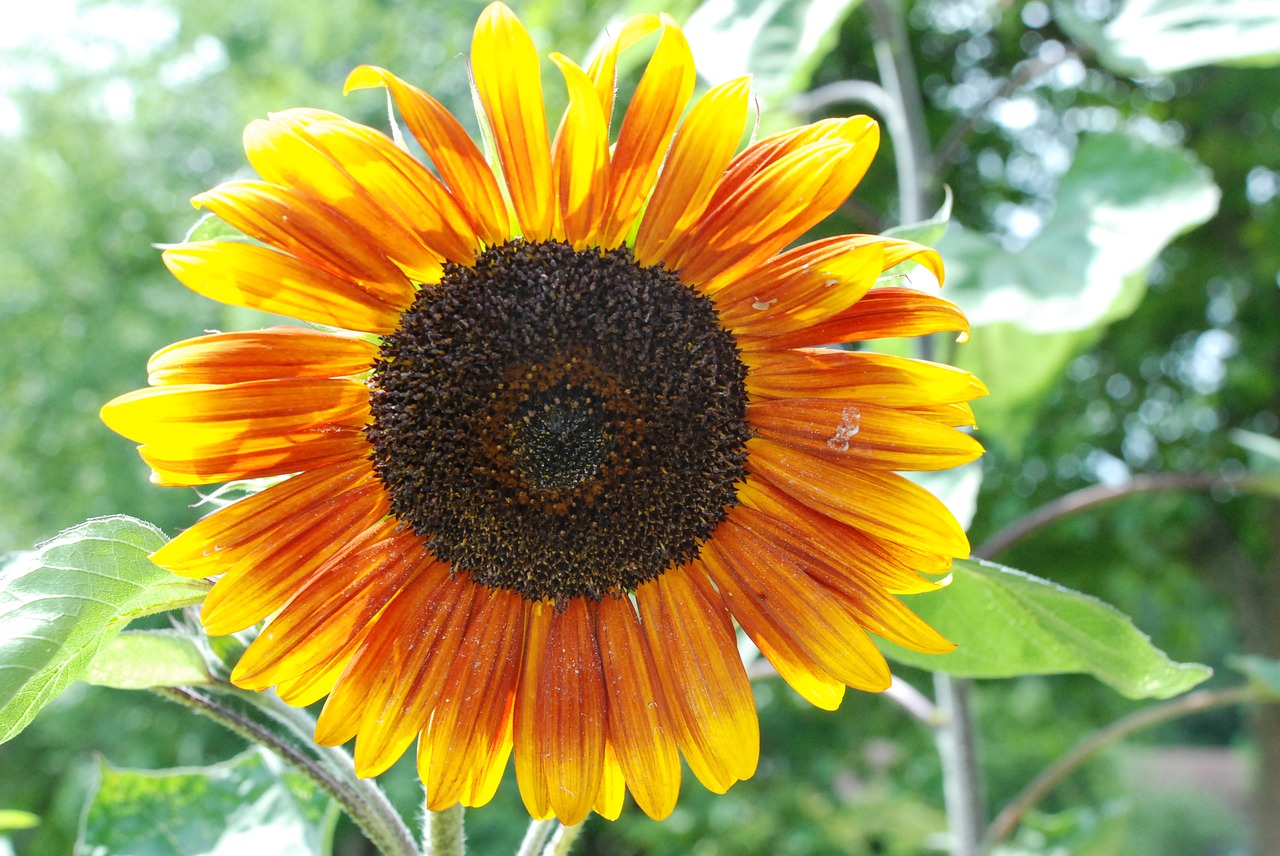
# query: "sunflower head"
(589, 415)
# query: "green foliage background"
(115, 135)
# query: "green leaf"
(141, 659)
(1032, 310)
(779, 42)
(1262, 672)
(1163, 36)
(251, 804)
(60, 604)
(927, 232)
(11, 818)
(1007, 623)
(211, 228)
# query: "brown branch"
(1097, 495)
(1007, 821)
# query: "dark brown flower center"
(560, 423)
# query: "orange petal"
(859, 376)
(310, 686)
(276, 353)
(471, 727)
(581, 158)
(883, 504)
(569, 707)
(261, 577)
(335, 604)
(233, 458)
(258, 278)
(508, 80)
(398, 668)
(862, 559)
(460, 164)
(773, 598)
(796, 290)
(639, 721)
(702, 148)
(398, 674)
(603, 68)
(394, 180)
(884, 313)
(285, 152)
(647, 127)
(767, 212)
(862, 435)
(317, 234)
(196, 414)
(696, 656)
(534, 771)
(781, 214)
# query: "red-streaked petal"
(884, 313)
(394, 678)
(398, 673)
(534, 770)
(314, 232)
(858, 376)
(285, 152)
(647, 127)
(773, 598)
(276, 353)
(460, 163)
(471, 728)
(504, 64)
(702, 148)
(800, 294)
(335, 604)
(569, 709)
(193, 415)
(861, 558)
(258, 278)
(701, 675)
(639, 721)
(394, 180)
(883, 504)
(581, 158)
(862, 435)
(769, 210)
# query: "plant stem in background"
(536, 836)
(1192, 702)
(360, 799)
(957, 749)
(562, 842)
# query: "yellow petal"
(460, 163)
(277, 353)
(508, 79)
(581, 158)
(702, 148)
(647, 127)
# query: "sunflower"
(580, 423)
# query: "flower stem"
(1193, 702)
(535, 837)
(369, 810)
(563, 840)
(957, 749)
(445, 833)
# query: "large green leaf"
(1007, 623)
(777, 41)
(142, 659)
(1032, 310)
(1162, 36)
(249, 805)
(61, 603)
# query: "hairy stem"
(1194, 702)
(536, 836)
(373, 814)
(445, 833)
(961, 779)
(562, 842)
